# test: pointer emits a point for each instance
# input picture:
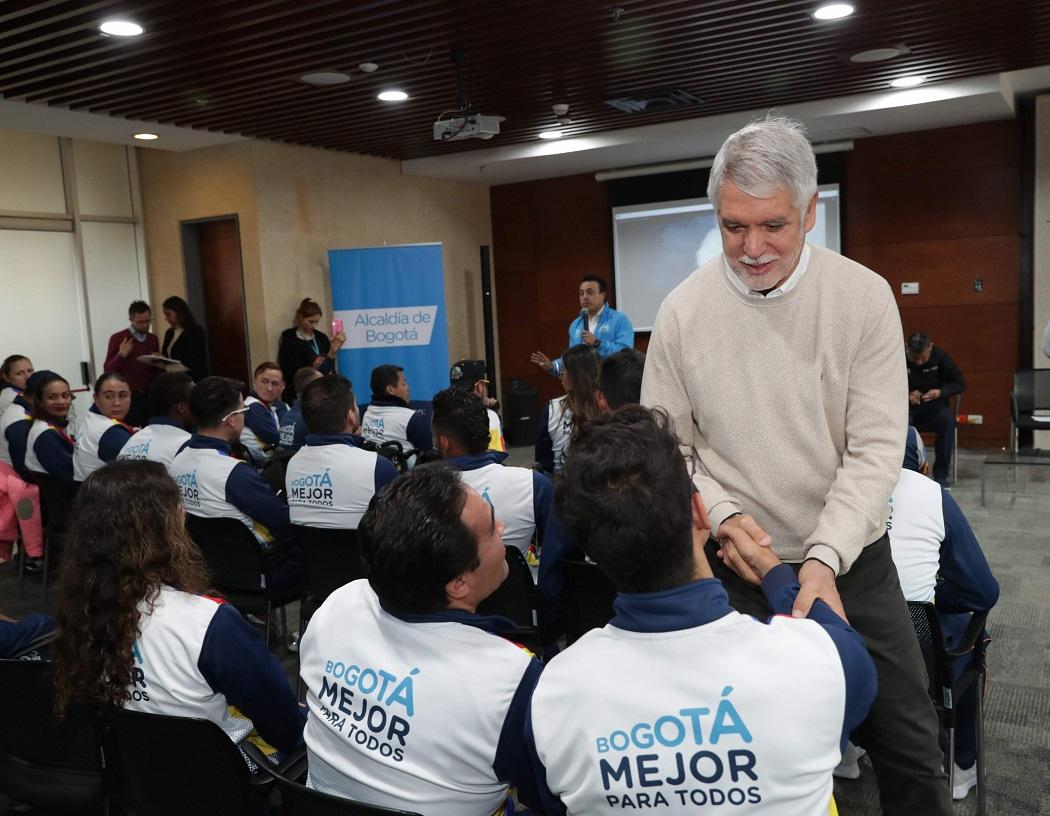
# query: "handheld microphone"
(586, 319)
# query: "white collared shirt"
(790, 283)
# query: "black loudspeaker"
(521, 414)
(486, 311)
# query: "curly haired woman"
(136, 629)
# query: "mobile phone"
(337, 327)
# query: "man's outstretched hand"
(817, 580)
(744, 548)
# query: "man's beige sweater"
(793, 409)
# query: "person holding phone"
(304, 345)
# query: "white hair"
(764, 157)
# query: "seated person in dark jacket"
(16, 635)
(293, 426)
(933, 379)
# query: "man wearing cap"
(470, 375)
(933, 379)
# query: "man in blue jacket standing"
(598, 325)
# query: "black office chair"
(158, 765)
(241, 570)
(46, 763)
(299, 800)
(1031, 393)
(944, 689)
(56, 502)
(330, 559)
(516, 599)
(588, 598)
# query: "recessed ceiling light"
(323, 79)
(368, 67)
(120, 28)
(908, 81)
(833, 11)
(146, 137)
(877, 54)
(393, 96)
(551, 134)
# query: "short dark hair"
(600, 281)
(414, 541)
(303, 377)
(105, 377)
(461, 415)
(325, 403)
(624, 493)
(621, 377)
(167, 391)
(138, 307)
(384, 376)
(213, 398)
(268, 365)
(918, 342)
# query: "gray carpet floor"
(1014, 530)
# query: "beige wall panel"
(310, 201)
(103, 186)
(30, 173)
(202, 184)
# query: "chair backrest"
(56, 498)
(299, 800)
(1031, 390)
(234, 555)
(517, 597)
(931, 643)
(330, 559)
(588, 598)
(158, 765)
(44, 761)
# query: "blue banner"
(392, 304)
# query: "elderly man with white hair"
(782, 366)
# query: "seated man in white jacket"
(681, 705)
(169, 423)
(331, 479)
(413, 704)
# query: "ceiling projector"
(467, 126)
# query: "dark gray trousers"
(901, 731)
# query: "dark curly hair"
(127, 538)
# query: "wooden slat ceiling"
(233, 65)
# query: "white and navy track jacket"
(261, 432)
(17, 411)
(683, 704)
(214, 484)
(159, 441)
(331, 479)
(937, 555)
(196, 656)
(8, 394)
(49, 450)
(552, 443)
(99, 440)
(423, 712)
(390, 419)
(496, 440)
(522, 499)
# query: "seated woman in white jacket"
(102, 433)
(136, 628)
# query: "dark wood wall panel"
(546, 236)
(941, 207)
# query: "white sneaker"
(848, 767)
(964, 781)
